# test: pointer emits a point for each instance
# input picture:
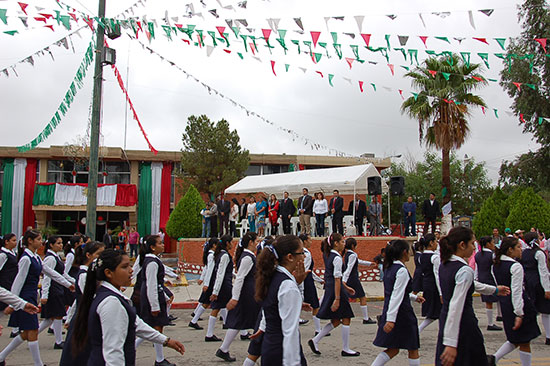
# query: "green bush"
(527, 211)
(186, 221)
(488, 218)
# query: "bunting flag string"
(65, 105)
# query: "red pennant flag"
(200, 40)
(220, 31)
(401, 93)
(139, 26)
(148, 34)
(185, 40)
(178, 25)
(366, 38)
(315, 37)
(40, 19)
(49, 26)
(252, 48)
(521, 118)
(361, 86)
(482, 40)
(432, 72)
(518, 85)
(483, 110)
(391, 69)
(477, 78)
(227, 51)
(90, 22)
(46, 15)
(542, 42)
(23, 7)
(447, 101)
(320, 73)
(424, 39)
(137, 33)
(273, 67)
(350, 61)
(73, 15)
(266, 33)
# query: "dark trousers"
(359, 225)
(213, 226)
(427, 222)
(410, 221)
(337, 224)
(274, 229)
(320, 224)
(232, 229)
(224, 225)
(374, 223)
(286, 224)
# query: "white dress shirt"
(307, 263)
(352, 258)
(15, 302)
(251, 209)
(69, 259)
(320, 206)
(290, 306)
(151, 273)
(464, 278)
(436, 262)
(50, 262)
(114, 328)
(516, 286)
(398, 293)
(234, 213)
(81, 284)
(476, 273)
(224, 261)
(168, 272)
(337, 264)
(244, 268)
(4, 258)
(543, 270)
(207, 270)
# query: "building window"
(274, 169)
(60, 171)
(117, 172)
(176, 171)
(65, 171)
(253, 170)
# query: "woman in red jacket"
(273, 213)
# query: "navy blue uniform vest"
(227, 284)
(532, 281)
(8, 273)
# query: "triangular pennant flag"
(466, 58)
(373, 86)
(443, 39)
(366, 38)
(320, 73)
(424, 39)
(401, 93)
(273, 67)
(50, 26)
(518, 85)
(387, 37)
(303, 69)
(209, 50)
(485, 58)
(330, 77)
(266, 33)
(3, 16)
(482, 40)
(316, 57)
(287, 66)
(446, 75)
(540, 120)
(471, 17)
(406, 68)
(359, 19)
(487, 12)
(532, 86)
(521, 118)
(221, 30)
(244, 22)
(315, 37)
(542, 42)
(66, 21)
(11, 33)
(351, 35)
(275, 24)
(214, 13)
(391, 66)
(432, 72)
(496, 112)
(24, 21)
(501, 42)
(413, 53)
(392, 16)
(361, 86)
(350, 61)
(299, 23)
(402, 40)
(478, 78)
(23, 7)
(422, 19)
(415, 95)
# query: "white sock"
(229, 338)
(490, 320)
(317, 323)
(159, 351)
(525, 358)
(139, 341)
(44, 324)
(211, 325)
(16, 342)
(35, 352)
(345, 339)
(381, 359)
(365, 311)
(57, 324)
(546, 323)
(506, 348)
(223, 314)
(499, 310)
(326, 330)
(198, 312)
(414, 362)
(248, 362)
(425, 323)
(243, 332)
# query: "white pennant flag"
(359, 19)
(471, 17)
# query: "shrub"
(527, 211)
(186, 221)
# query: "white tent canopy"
(348, 180)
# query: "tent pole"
(353, 203)
(389, 213)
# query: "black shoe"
(13, 335)
(50, 331)
(493, 327)
(491, 361)
(350, 354)
(328, 335)
(312, 346)
(2, 363)
(304, 321)
(212, 339)
(192, 316)
(58, 345)
(245, 337)
(171, 324)
(221, 319)
(499, 318)
(164, 362)
(225, 356)
(195, 325)
(369, 321)
(172, 318)
(547, 342)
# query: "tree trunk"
(446, 175)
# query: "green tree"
(493, 214)
(212, 157)
(186, 220)
(525, 62)
(530, 210)
(441, 106)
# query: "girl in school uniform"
(308, 286)
(484, 274)
(519, 315)
(335, 305)
(242, 309)
(26, 286)
(351, 277)
(205, 281)
(8, 264)
(417, 275)
(222, 285)
(460, 341)
(105, 321)
(71, 269)
(429, 265)
(52, 299)
(537, 279)
(280, 269)
(398, 327)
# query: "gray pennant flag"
(487, 12)
(326, 21)
(359, 19)
(341, 18)
(175, 19)
(459, 39)
(276, 24)
(347, 79)
(220, 3)
(242, 4)
(30, 60)
(352, 35)
(229, 7)
(229, 23)
(5, 71)
(442, 15)
(242, 21)
(403, 40)
(422, 19)
(47, 49)
(14, 71)
(303, 69)
(24, 21)
(471, 17)
(214, 12)
(299, 23)
(392, 16)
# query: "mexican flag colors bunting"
(17, 195)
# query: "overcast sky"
(340, 117)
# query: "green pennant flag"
(243, 36)
(66, 20)
(373, 86)
(406, 67)
(282, 33)
(11, 33)
(334, 37)
(446, 75)
(413, 53)
(485, 57)
(151, 27)
(355, 49)
(500, 55)
(338, 49)
(168, 31)
(532, 86)
(253, 38)
(201, 38)
(308, 43)
(496, 112)
(415, 95)
(387, 37)
(324, 45)
(283, 44)
(287, 66)
(466, 58)
(240, 55)
(100, 21)
(297, 43)
(529, 57)
(226, 39)
(444, 39)
(317, 57)
(540, 120)
(3, 16)
(403, 52)
(236, 31)
(450, 59)
(330, 77)
(57, 14)
(493, 80)
(501, 42)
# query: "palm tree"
(442, 106)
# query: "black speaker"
(374, 186)
(397, 186)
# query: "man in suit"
(107, 239)
(223, 213)
(335, 206)
(360, 213)
(409, 216)
(374, 214)
(286, 210)
(430, 210)
(305, 210)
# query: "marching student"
(460, 341)
(431, 292)
(242, 309)
(519, 315)
(70, 269)
(417, 275)
(398, 327)
(280, 269)
(105, 321)
(52, 299)
(308, 286)
(537, 279)
(335, 305)
(206, 281)
(351, 277)
(8, 269)
(26, 286)
(484, 274)
(222, 286)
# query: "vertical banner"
(156, 175)
(144, 200)
(30, 181)
(7, 194)
(165, 198)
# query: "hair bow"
(273, 250)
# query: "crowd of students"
(265, 286)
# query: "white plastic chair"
(244, 227)
(294, 224)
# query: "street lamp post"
(466, 161)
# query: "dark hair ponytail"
(484, 240)
(424, 242)
(108, 259)
(222, 245)
(146, 247)
(71, 244)
(243, 244)
(532, 239)
(5, 239)
(81, 252)
(351, 243)
(268, 259)
(328, 243)
(29, 234)
(303, 237)
(51, 241)
(507, 243)
(207, 247)
(449, 244)
(394, 251)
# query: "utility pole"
(91, 207)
